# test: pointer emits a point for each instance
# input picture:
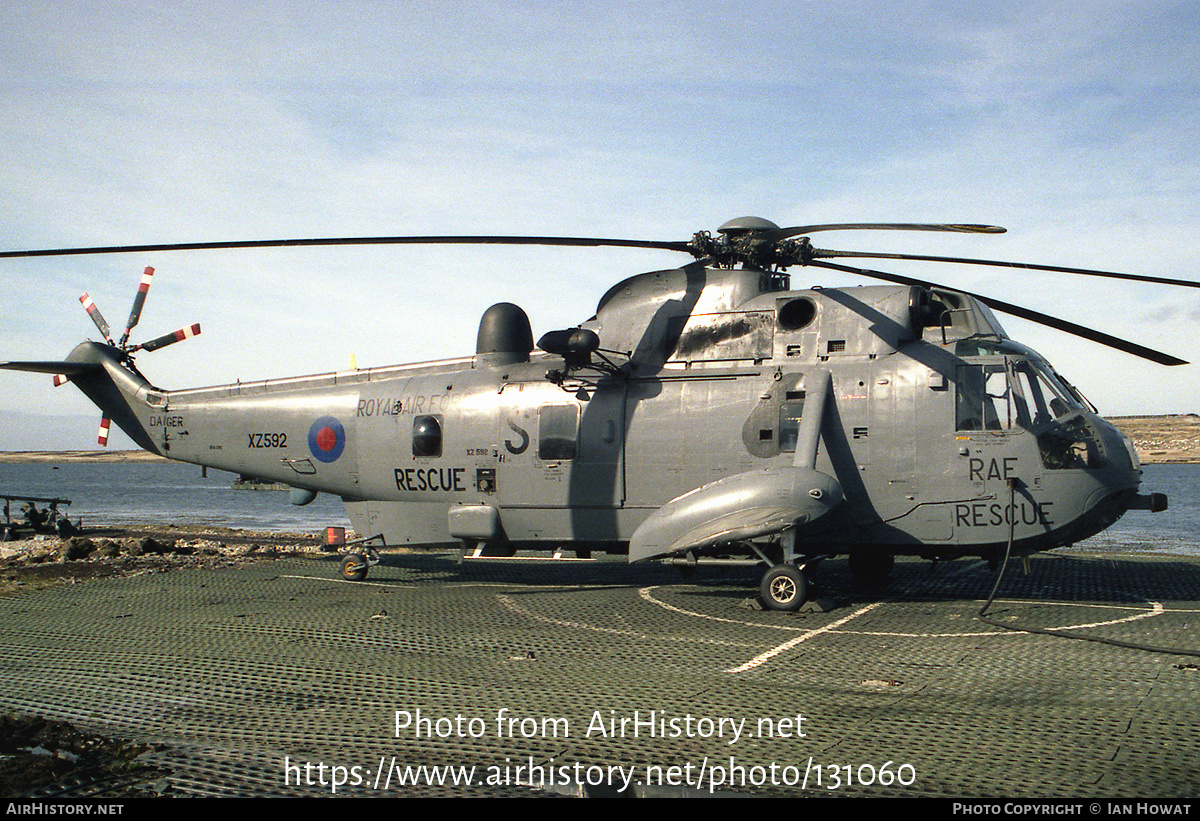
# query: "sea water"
(161, 493)
(1174, 530)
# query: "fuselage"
(945, 436)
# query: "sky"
(1073, 125)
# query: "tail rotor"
(124, 349)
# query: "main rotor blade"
(1024, 313)
(819, 253)
(327, 241)
(958, 228)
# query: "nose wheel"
(783, 588)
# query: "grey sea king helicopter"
(707, 412)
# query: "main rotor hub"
(753, 242)
(746, 225)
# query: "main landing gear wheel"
(354, 568)
(783, 588)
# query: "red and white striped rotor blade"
(139, 299)
(169, 339)
(61, 379)
(97, 317)
(102, 438)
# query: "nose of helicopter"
(1122, 475)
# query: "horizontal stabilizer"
(58, 368)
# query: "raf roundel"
(326, 439)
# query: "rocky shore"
(40, 758)
(1163, 439)
(44, 560)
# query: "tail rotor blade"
(139, 299)
(61, 379)
(169, 339)
(102, 438)
(97, 317)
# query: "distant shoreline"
(1166, 439)
(12, 456)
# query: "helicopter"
(706, 413)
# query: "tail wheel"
(354, 568)
(783, 588)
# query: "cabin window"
(558, 432)
(427, 436)
(1072, 442)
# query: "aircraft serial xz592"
(706, 412)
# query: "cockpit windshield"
(1025, 393)
(1039, 397)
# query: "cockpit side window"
(983, 400)
(1025, 393)
(1022, 393)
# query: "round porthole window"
(427, 436)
